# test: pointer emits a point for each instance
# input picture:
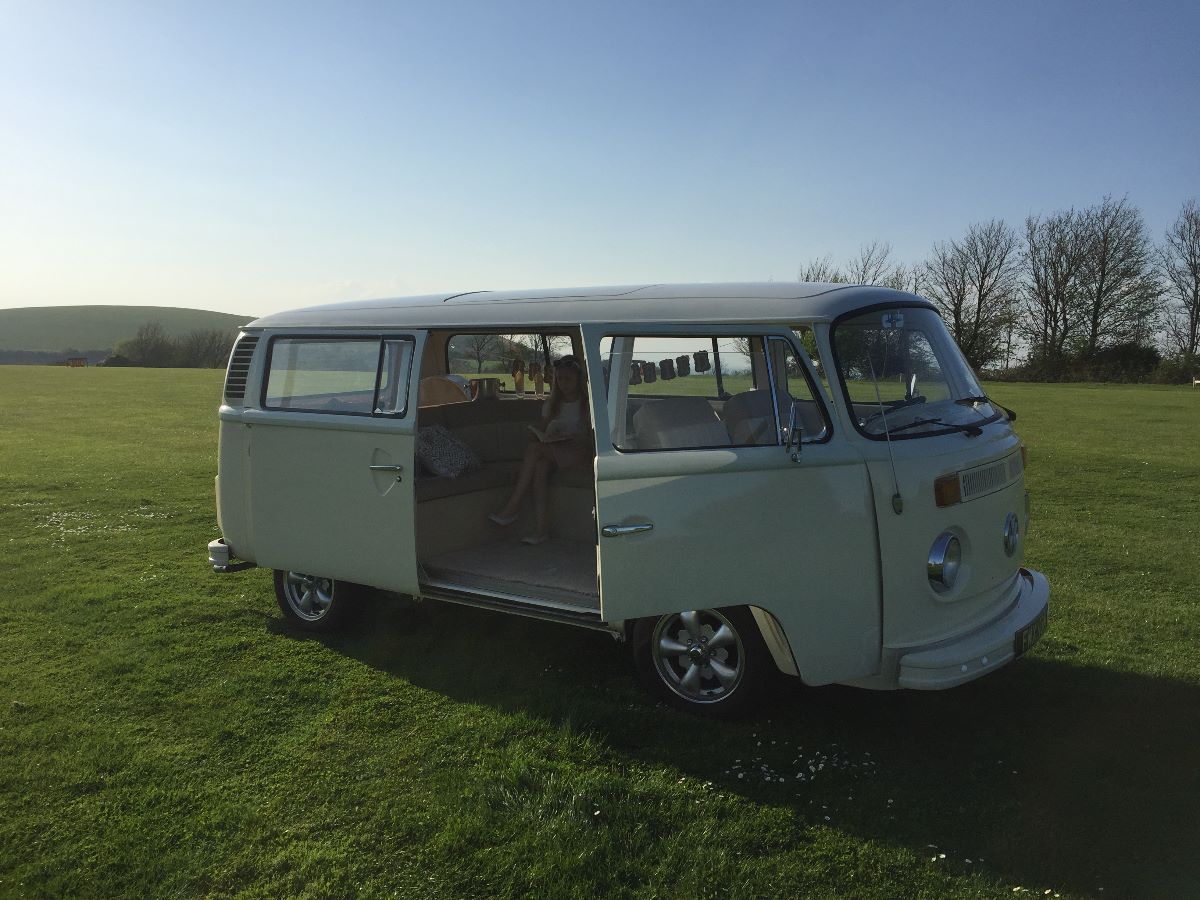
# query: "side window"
(524, 363)
(807, 339)
(338, 375)
(794, 388)
(688, 392)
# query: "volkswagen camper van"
(771, 478)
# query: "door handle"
(619, 530)
(395, 470)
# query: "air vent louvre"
(239, 369)
(990, 478)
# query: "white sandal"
(503, 521)
(535, 539)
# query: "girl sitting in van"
(561, 440)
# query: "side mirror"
(795, 434)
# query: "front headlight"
(944, 558)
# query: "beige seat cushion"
(678, 422)
(497, 474)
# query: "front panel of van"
(915, 611)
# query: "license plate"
(1030, 634)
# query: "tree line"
(152, 347)
(1078, 294)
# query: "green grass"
(162, 734)
(97, 327)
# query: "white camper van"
(745, 478)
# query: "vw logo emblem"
(1012, 534)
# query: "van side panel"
(232, 484)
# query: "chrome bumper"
(220, 557)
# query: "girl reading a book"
(561, 440)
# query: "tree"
(1054, 254)
(975, 283)
(480, 347)
(1179, 262)
(822, 271)
(1119, 290)
(149, 347)
(205, 349)
(872, 265)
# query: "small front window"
(904, 376)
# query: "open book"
(551, 435)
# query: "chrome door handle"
(386, 468)
(618, 530)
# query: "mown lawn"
(161, 733)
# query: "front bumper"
(972, 655)
(220, 557)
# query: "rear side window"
(350, 376)
(523, 363)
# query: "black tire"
(312, 603)
(709, 690)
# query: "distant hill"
(87, 327)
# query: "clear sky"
(255, 156)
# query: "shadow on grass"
(1044, 774)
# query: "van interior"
(458, 547)
(477, 402)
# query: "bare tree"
(907, 278)
(872, 265)
(1179, 262)
(975, 283)
(205, 348)
(1054, 254)
(822, 271)
(1119, 290)
(480, 347)
(151, 346)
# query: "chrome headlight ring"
(945, 558)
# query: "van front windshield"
(905, 377)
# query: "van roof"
(761, 302)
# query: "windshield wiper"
(892, 406)
(983, 398)
(969, 430)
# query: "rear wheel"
(313, 603)
(712, 662)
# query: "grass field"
(162, 734)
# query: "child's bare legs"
(536, 454)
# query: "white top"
(777, 302)
(569, 419)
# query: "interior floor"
(559, 570)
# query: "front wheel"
(707, 661)
(312, 603)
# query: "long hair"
(556, 395)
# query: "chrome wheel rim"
(699, 655)
(308, 596)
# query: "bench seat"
(496, 430)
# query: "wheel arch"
(769, 629)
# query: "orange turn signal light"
(947, 490)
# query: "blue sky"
(251, 157)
